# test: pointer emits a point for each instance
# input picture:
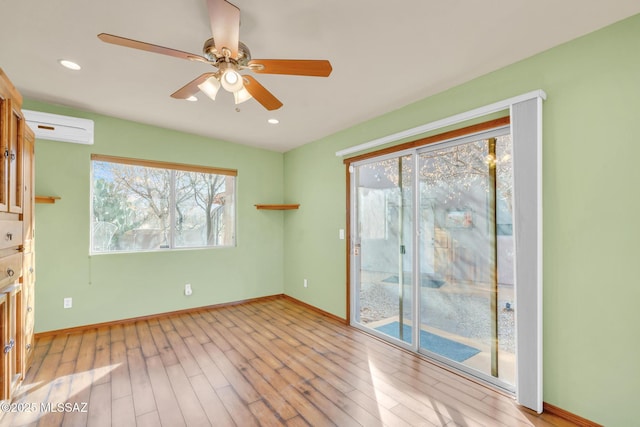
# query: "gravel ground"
(460, 312)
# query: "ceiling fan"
(225, 52)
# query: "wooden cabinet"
(13, 158)
(17, 256)
(12, 128)
(28, 301)
(28, 180)
(13, 338)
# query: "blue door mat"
(434, 343)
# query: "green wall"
(118, 286)
(590, 205)
(590, 177)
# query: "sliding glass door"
(433, 253)
(466, 285)
(383, 195)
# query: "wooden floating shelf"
(277, 207)
(47, 199)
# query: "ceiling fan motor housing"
(214, 55)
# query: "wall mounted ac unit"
(60, 128)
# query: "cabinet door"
(16, 356)
(4, 146)
(14, 157)
(13, 341)
(28, 153)
(5, 380)
(28, 299)
(11, 312)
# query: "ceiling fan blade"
(261, 94)
(135, 44)
(191, 88)
(225, 25)
(294, 67)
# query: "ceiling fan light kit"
(230, 79)
(210, 87)
(225, 52)
(241, 96)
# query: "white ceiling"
(385, 54)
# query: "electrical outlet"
(68, 303)
(187, 289)
(306, 284)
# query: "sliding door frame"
(525, 120)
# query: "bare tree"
(144, 198)
(208, 192)
(456, 169)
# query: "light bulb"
(231, 80)
(210, 87)
(231, 77)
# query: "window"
(140, 205)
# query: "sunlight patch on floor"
(36, 399)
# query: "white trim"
(526, 128)
(448, 121)
(540, 258)
(354, 237)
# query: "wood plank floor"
(272, 362)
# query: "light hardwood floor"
(270, 362)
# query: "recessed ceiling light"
(273, 121)
(191, 98)
(69, 64)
